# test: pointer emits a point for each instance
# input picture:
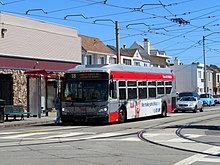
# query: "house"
(130, 56)
(94, 51)
(209, 79)
(188, 78)
(33, 46)
(148, 52)
(216, 78)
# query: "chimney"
(177, 61)
(147, 45)
(124, 46)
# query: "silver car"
(189, 103)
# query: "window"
(101, 60)
(122, 94)
(200, 74)
(168, 83)
(88, 59)
(168, 90)
(113, 60)
(122, 90)
(122, 83)
(114, 90)
(126, 61)
(142, 83)
(151, 83)
(168, 87)
(152, 92)
(132, 93)
(218, 78)
(160, 90)
(142, 92)
(137, 64)
(160, 83)
(132, 83)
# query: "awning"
(36, 72)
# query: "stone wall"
(19, 85)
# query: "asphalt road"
(179, 139)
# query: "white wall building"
(189, 77)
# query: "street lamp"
(117, 37)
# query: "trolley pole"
(204, 57)
(117, 42)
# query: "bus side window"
(132, 93)
(122, 90)
(122, 94)
(168, 85)
(132, 89)
(152, 89)
(152, 92)
(142, 92)
(113, 88)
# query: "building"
(130, 56)
(94, 51)
(33, 45)
(189, 77)
(216, 78)
(209, 80)
(148, 52)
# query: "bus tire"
(164, 110)
(122, 117)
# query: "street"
(179, 139)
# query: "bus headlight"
(103, 109)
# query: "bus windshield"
(86, 91)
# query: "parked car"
(217, 99)
(189, 103)
(194, 94)
(207, 99)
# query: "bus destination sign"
(89, 75)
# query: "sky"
(177, 27)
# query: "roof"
(119, 67)
(93, 44)
(216, 68)
(129, 52)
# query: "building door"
(6, 85)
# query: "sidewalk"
(30, 121)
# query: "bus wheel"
(121, 115)
(164, 110)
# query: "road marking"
(23, 135)
(192, 135)
(214, 150)
(8, 133)
(130, 139)
(66, 135)
(179, 140)
(212, 160)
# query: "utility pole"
(117, 37)
(204, 57)
(117, 42)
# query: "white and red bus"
(116, 93)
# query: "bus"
(116, 93)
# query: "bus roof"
(119, 67)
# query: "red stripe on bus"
(113, 117)
(141, 75)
